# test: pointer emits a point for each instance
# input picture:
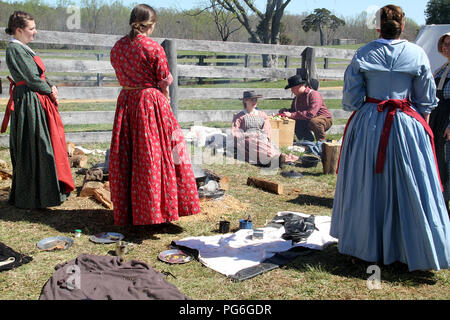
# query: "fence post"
(170, 47)
(99, 75)
(287, 62)
(201, 62)
(309, 63)
(246, 64)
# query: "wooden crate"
(282, 132)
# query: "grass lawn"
(317, 275)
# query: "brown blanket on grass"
(91, 277)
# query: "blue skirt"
(399, 215)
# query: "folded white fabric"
(230, 253)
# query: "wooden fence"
(95, 68)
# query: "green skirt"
(35, 182)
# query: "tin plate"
(107, 237)
(55, 243)
(174, 256)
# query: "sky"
(413, 9)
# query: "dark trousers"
(318, 125)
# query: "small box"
(282, 132)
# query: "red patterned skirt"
(151, 176)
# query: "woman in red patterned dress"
(151, 177)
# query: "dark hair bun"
(392, 17)
(391, 29)
(17, 20)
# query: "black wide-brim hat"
(250, 94)
(295, 81)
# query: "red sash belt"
(10, 105)
(393, 105)
(55, 127)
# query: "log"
(78, 161)
(78, 152)
(222, 180)
(70, 148)
(265, 185)
(330, 157)
(104, 197)
(5, 175)
(89, 187)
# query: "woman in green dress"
(42, 176)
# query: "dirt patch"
(213, 209)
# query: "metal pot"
(199, 174)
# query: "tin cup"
(258, 234)
(224, 226)
(245, 224)
(122, 248)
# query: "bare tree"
(267, 29)
(92, 13)
(225, 21)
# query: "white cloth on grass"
(230, 253)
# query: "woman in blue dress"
(388, 204)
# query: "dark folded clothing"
(91, 277)
(7, 253)
(296, 228)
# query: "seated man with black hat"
(308, 110)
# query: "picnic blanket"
(239, 256)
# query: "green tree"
(437, 12)
(323, 21)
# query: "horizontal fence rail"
(112, 93)
(108, 41)
(90, 76)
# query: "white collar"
(23, 44)
(390, 41)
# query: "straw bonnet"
(441, 41)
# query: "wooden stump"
(330, 157)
